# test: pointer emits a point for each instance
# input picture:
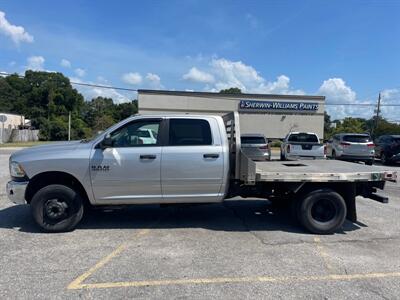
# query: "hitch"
(379, 198)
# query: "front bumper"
(395, 158)
(356, 157)
(16, 191)
(304, 157)
(261, 157)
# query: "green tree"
(232, 90)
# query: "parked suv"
(302, 145)
(351, 147)
(256, 146)
(388, 149)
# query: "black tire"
(57, 208)
(369, 162)
(384, 159)
(282, 157)
(322, 211)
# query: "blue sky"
(345, 50)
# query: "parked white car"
(302, 145)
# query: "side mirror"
(106, 142)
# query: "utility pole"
(69, 126)
(378, 110)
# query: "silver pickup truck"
(190, 159)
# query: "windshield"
(357, 138)
(143, 133)
(303, 138)
(253, 140)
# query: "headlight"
(16, 170)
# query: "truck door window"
(189, 132)
(135, 134)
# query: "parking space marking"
(221, 280)
(77, 283)
(324, 255)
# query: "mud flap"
(349, 196)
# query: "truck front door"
(128, 172)
(192, 166)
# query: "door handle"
(147, 156)
(211, 155)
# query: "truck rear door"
(192, 165)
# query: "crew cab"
(305, 145)
(192, 159)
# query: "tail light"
(344, 144)
(288, 148)
(371, 145)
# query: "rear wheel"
(57, 208)
(322, 211)
(369, 162)
(384, 159)
(282, 156)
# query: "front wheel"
(57, 208)
(322, 211)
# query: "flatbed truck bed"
(313, 171)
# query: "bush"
(276, 143)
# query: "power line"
(82, 83)
(135, 90)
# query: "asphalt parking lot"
(239, 249)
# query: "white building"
(272, 115)
(13, 121)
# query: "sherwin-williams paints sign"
(278, 105)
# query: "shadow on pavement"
(239, 215)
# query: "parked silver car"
(256, 146)
(351, 147)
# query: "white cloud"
(252, 20)
(195, 75)
(92, 92)
(16, 33)
(154, 81)
(227, 74)
(80, 72)
(390, 96)
(35, 63)
(101, 79)
(65, 63)
(132, 78)
(337, 91)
